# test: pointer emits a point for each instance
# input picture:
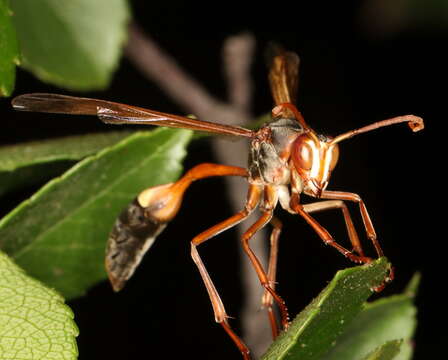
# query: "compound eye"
(334, 156)
(303, 154)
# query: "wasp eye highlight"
(303, 154)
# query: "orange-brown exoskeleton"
(286, 159)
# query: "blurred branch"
(238, 51)
(238, 56)
(161, 68)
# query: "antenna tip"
(416, 123)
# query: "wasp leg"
(338, 204)
(370, 230)
(264, 280)
(323, 233)
(267, 299)
(269, 202)
(253, 197)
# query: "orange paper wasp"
(286, 159)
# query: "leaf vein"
(68, 216)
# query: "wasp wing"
(116, 113)
(283, 74)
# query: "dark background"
(358, 66)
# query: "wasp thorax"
(314, 157)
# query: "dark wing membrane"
(283, 74)
(116, 113)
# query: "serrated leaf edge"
(73, 170)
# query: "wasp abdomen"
(132, 235)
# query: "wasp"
(287, 159)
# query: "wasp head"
(314, 157)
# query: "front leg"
(370, 230)
(338, 204)
(300, 209)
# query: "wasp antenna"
(415, 123)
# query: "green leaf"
(33, 162)
(34, 321)
(387, 351)
(9, 52)
(384, 320)
(317, 327)
(73, 44)
(66, 224)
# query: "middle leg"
(267, 300)
(267, 280)
(221, 316)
